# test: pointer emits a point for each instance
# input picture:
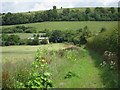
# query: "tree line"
(19, 29)
(98, 14)
(77, 37)
(55, 36)
(8, 40)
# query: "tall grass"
(13, 72)
(17, 60)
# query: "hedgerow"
(106, 41)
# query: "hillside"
(94, 26)
(65, 14)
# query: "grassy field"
(21, 53)
(24, 35)
(94, 26)
(83, 63)
(18, 59)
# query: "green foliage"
(10, 40)
(39, 77)
(106, 41)
(98, 14)
(44, 41)
(70, 75)
(102, 30)
(87, 10)
(84, 63)
(56, 36)
(35, 41)
(54, 7)
(19, 29)
(110, 65)
(78, 37)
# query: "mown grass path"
(85, 65)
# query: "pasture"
(24, 35)
(94, 26)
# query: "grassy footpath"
(84, 64)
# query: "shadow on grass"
(109, 77)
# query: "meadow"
(83, 63)
(94, 26)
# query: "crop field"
(18, 53)
(94, 26)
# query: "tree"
(86, 32)
(83, 40)
(13, 39)
(87, 10)
(66, 11)
(5, 37)
(56, 36)
(112, 9)
(54, 7)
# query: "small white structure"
(31, 38)
(40, 38)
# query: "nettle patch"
(39, 77)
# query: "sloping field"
(94, 26)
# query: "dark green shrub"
(106, 41)
(44, 41)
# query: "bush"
(19, 29)
(106, 41)
(10, 40)
(44, 41)
(23, 42)
(102, 30)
